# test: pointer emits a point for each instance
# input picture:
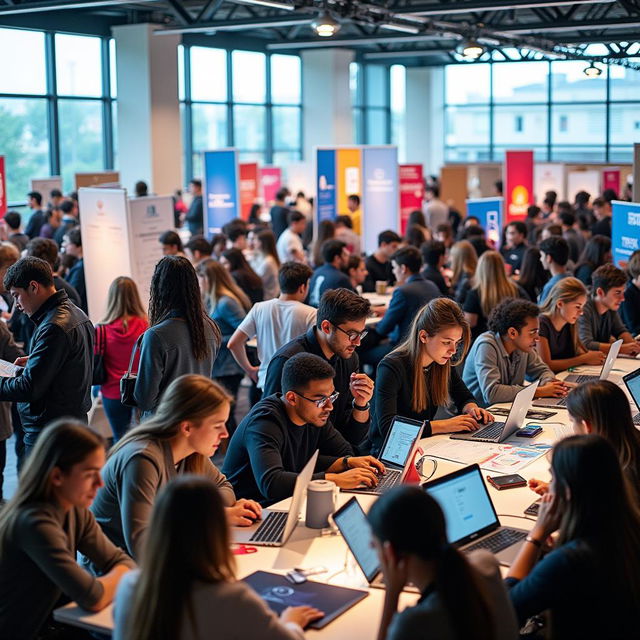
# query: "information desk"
(308, 548)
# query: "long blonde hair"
(123, 301)
(464, 259)
(62, 444)
(189, 397)
(565, 290)
(432, 387)
(220, 283)
(491, 281)
(187, 543)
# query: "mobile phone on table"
(507, 482)
(531, 431)
(533, 509)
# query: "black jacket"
(56, 381)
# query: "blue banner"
(489, 212)
(220, 197)
(326, 176)
(380, 194)
(625, 231)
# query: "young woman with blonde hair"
(421, 375)
(180, 437)
(560, 346)
(45, 524)
(116, 334)
(186, 588)
(464, 261)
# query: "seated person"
(410, 536)
(588, 583)
(600, 325)
(188, 562)
(331, 274)
(379, 262)
(516, 245)
(45, 524)
(630, 307)
(278, 436)
(504, 356)
(554, 253)
(421, 374)
(181, 436)
(339, 328)
(434, 256)
(560, 346)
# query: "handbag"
(99, 372)
(128, 380)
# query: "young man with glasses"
(340, 326)
(278, 436)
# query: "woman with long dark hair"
(533, 276)
(596, 253)
(186, 588)
(265, 262)
(463, 598)
(246, 278)
(181, 339)
(590, 582)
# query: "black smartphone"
(507, 482)
(533, 509)
(529, 432)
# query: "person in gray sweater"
(501, 358)
(180, 438)
(45, 524)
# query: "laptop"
(397, 455)
(632, 382)
(472, 521)
(354, 527)
(582, 378)
(276, 526)
(500, 431)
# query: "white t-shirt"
(288, 243)
(274, 323)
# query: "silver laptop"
(500, 431)
(398, 452)
(632, 382)
(276, 526)
(472, 521)
(575, 378)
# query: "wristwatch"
(345, 463)
(534, 541)
(357, 407)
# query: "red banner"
(248, 188)
(3, 189)
(518, 179)
(271, 180)
(411, 192)
(611, 180)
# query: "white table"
(307, 548)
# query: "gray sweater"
(39, 566)
(492, 375)
(132, 478)
(595, 328)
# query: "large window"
(370, 87)
(57, 95)
(550, 107)
(241, 99)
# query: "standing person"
(513, 251)
(589, 505)
(554, 253)
(246, 278)
(69, 220)
(533, 276)
(195, 214)
(326, 231)
(279, 212)
(331, 274)
(630, 307)
(464, 262)
(186, 587)
(289, 245)
(603, 213)
(574, 239)
(266, 263)
(56, 380)
(14, 223)
(72, 245)
(345, 232)
(200, 249)
(434, 257)
(353, 207)
(596, 253)
(379, 262)
(116, 334)
(45, 524)
(435, 210)
(52, 223)
(181, 339)
(38, 216)
(410, 537)
(171, 244)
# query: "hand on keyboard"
(243, 513)
(354, 478)
(455, 424)
(482, 416)
(552, 389)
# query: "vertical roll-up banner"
(548, 176)
(326, 208)
(248, 188)
(3, 188)
(490, 213)
(221, 199)
(270, 183)
(625, 231)
(611, 179)
(349, 183)
(411, 192)
(518, 182)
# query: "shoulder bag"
(128, 380)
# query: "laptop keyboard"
(390, 479)
(490, 432)
(498, 541)
(272, 528)
(583, 378)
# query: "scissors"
(243, 549)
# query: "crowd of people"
(468, 324)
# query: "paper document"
(9, 370)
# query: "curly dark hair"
(174, 288)
(512, 312)
(303, 368)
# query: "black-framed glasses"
(321, 402)
(352, 334)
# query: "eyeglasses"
(321, 402)
(352, 334)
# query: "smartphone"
(507, 482)
(531, 431)
(533, 509)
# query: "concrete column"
(149, 132)
(326, 99)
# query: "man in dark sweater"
(330, 275)
(278, 436)
(195, 215)
(279, 212)
(339, 328)
(433, 254)
(379, 262)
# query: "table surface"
(309, 548)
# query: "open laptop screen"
(397, 446)
(353, 525)
(466, 504)
(632, 380)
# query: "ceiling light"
(471, 50)
(325, 26)
(592, 71)
(403, 28)
(275, 4)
